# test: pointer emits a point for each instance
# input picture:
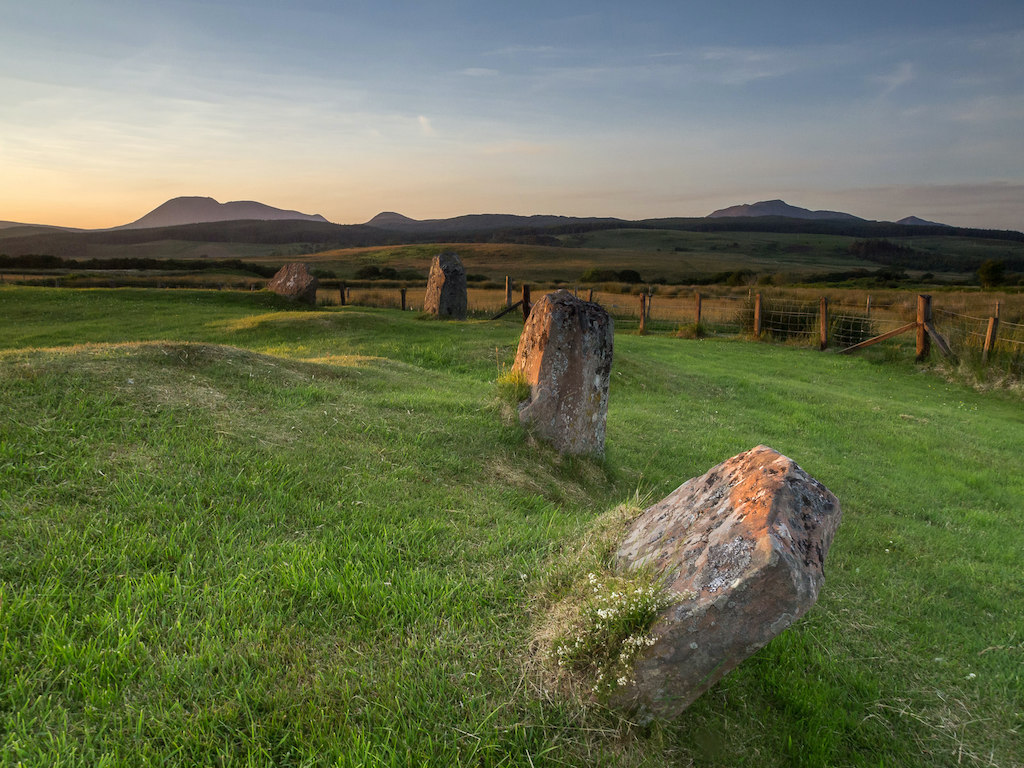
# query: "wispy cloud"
(515, 147)
(426, 127)
(479, 72)
(739, 66)
(515, 50)
(904, 74)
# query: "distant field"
(667, 255)
(528, 262)
(965, 246)
(657, 254)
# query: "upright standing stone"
(565, 353)
(446, 287)
(293, 281)
(743, 548)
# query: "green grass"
(233, 532)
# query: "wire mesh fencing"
(849, 321)
(848, 326)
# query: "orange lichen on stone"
(745, 544)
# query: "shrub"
(369, 272)
(629, 276)
(595, 275)
(692, 331)
(991, 273)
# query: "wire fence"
(777, 318)
(992, 337)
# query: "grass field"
(233, 532)
(615, 250)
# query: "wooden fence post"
(526, 303)
(403, 299)
(508, 291)
(823, 335)
(341, 293)
(696, 308)
(643, 313)
(757, 316)
(650, 301)
(591, 297)
(867, 309)
(990, 337)
(999, 306)
(924, 316)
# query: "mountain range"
(294, 232)
(183, 211)
(476, 222)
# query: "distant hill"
(914, 221)
(17, 229)
(392, 220)
(479, 222)
(778, 208)
(95, 243)
(201, 210)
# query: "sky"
(651, 108)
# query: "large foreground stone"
(294, 282)
(446, 287)
(565, 353)
(745, 546)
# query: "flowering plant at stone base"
(611, 630)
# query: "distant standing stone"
(446, 287)
(744, 546)
(565, 353)
(293, 281)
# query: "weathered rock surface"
(446, 287)
(565, 353)
(293, 281)
(744, 545)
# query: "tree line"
(46, 261)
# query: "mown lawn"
(233, 532)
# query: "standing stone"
(743, 547)
(294, 282)
(565, 353)
(446, 287)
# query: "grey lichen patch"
(727, 561)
